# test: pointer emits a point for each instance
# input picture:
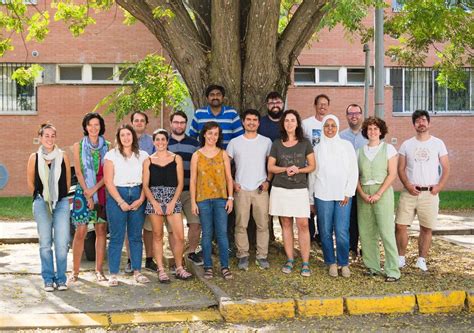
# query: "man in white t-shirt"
(249, 152)
(312, 128)
(423, 168)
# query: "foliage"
(24, 76)
(16, 208)
(150, 84)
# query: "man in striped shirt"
(227, 118)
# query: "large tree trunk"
(230, 42)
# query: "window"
(70, 73)
(416, 88)
(15, 97)
(356, 76)
(305, 75)
(102, 73)
(328, 76)
(311, 76)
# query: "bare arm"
(273, 168)
(30, 173)
(402, 164)
(230, 186)
(444, 161)
(192, 184)
(67, 164)
(109, 173)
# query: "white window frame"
(317, 82)
(87, 74)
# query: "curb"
(380, 304)
(440, 302)
(314, 307)
(470, 300)
(257, 309)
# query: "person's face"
(275, 107)
(161, 143)
(93, 127)
(212, 136)
(354, 116)
(178, 125)
(251, 123)
(290, 123)
(330, 128)
(215, 98)
(422, 124)
(126, 138)
(322, 107)
(48, 139)
(373, 132)
(139, 123)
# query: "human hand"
(229, 206)
(157, 207)
(412, 189)
(170, 207)
(194, 208)
(344, 202)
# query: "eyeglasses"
(274, 102)
(330, 126)
(354, 114)
(178, 122)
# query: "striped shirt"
(228, 119)
(184, 148)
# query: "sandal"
(305, 271)
(73, 277)
(162, 276)
(288, 266)
(226, 274)
(182, 274)
(100, 277)
(208, 274)
(140, 278)
(113, 282)
(369, 273)
(391, 279)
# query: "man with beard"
(270, 124)
(227, 118)
(419, 162)
(353, 134)
(185, 146)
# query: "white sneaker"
(421, 264)
(401, 261)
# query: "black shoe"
(151, 265)
(196, 258)
(317, 240)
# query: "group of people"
(283, 167)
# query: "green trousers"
(377, 221)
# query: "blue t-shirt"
(184, 148)
(269, 128)
(146, 143)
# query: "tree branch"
(202, 10)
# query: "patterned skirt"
(163, 194)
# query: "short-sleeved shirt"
(422, 160)
(228, 120)
(184, 148)
(312, 129)
(146, 143)
(269, 128)
(357, 139)
(288, 156)
(250, 157)
(127, 171)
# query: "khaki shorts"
(187, 211)
(425, 205)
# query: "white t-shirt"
(371, 152)
(312, 129)
(422, 157)
(127, 171)
(250, 157)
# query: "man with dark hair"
(249, 153)
(227, 118)
(353, 134)
(420, 161)
(183, 145)
(270, 124)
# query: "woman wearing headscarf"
(375, 202)
(333, 184)
(49, 178)
(89, 199)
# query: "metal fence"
(13, 96)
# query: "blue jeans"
(213, 217)
(333, 218)
(121, 222)
(52, 228)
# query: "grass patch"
(16, 208)
(451, 200)
(451, 267)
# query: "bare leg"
(303, 238)
(100, 242)
(424, 241)
(148, 241)
(78, 247)
(157, 226)
(194, 235)
(401, 235)
(287, 231)
(176, 224)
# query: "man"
(185, 146)
(353, 134)
(145, 142)
(312, 128)
(227, 118)
(270, 124)
(249, 152)
(419, 162)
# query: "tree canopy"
(250, 46)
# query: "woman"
(333, 184)
(123, 171)
(89, 199)
(163, 181)
(375, 202)
(49, 178)
(211, 191)
(291, 158)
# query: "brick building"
(80, 71)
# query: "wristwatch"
(230, 198)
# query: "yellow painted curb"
(164, 317)
(257, 309)
(470, 300)
(442, 301)
(53, 320)
(380, 304)
(313, 306)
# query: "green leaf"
(25, 76)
